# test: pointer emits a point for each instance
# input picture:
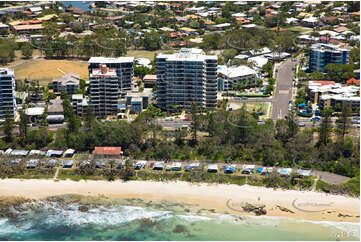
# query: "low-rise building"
(68, 83)
(79, 103)
(229, 77)
(330, 94)
(150, 81)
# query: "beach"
(223, 198)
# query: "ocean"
(79, 4)
(134, 219)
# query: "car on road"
(316, 118)
(169, 119)
(187, 119)
(355, 121)
(244, 98)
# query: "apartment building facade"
(185, 78)
(104, 89)
(323, 54)
(7, 93)
(124, 67)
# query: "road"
(283, 92)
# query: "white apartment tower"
(7, 93)
(186, 77)
(109, 78)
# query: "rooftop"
(109, 60)
(236, 71)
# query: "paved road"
(283, 92)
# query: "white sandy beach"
(306, 205)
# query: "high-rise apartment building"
(7, 93)
(186, 77)
(104, 90)
(323, 54)
(122, 65)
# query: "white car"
(169, 119)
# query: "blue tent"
(301, 105)
(259, 170)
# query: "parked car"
(140, 164)
(244, 98)
(187, 119)
(169, 119)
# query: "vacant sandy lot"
(46, 70)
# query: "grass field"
(46, 70)
(143, 53)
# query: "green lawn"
(143, 53)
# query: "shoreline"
(222, 198)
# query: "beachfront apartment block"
(323, 54)
(123, 66)
(186, 77)
(7, 93)
(104, 89)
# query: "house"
(51, 163)
(108, 151)
(284, 171)
(310, 22)
(36, 153)
(353, 81)
(68, 83)
(54, 153)
(28, 28)
(68, 163)
(56, 107)
(75, 10)
(259, 61)
(19, 152)
(34, 113)
(32, 164)
(69, 153)
(150, 81)
(304, 172)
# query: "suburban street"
(283, 91)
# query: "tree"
(195, 123)
(152, 41)
(27, 51)
(8, 126)
(344, 121)
(89, 117)
(325, 126)
(23, 127)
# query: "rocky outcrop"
(256, 209)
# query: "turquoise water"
(51, 221)
(78, 4)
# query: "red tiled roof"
(352, 81)
(107, 150)
(324, 83)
